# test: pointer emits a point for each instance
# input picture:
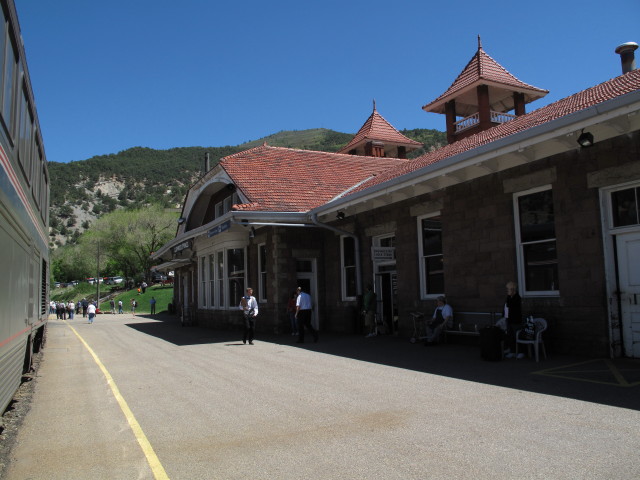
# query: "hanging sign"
(182, 246)
(383, 254)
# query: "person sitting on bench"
(442, 316)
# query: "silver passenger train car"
(24, 213)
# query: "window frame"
(610, 206)
(344, 269)
(520, 245)
(262, 272)
(425, 294)
(202, 272)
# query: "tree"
(128, 237)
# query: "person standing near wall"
(513, 317)
(303, 314)
(249, 307)
(369, 307)
(291, 312)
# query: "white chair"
(536, 341)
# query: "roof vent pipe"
(627, 56)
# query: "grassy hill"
(162, 294)
(82, 190)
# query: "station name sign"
(223, 227)
(182, 246)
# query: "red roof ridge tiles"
(283, 179)
(481, 67)
(376, 127)
(610, 89)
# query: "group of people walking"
(67, 310)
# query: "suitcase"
(491, 343)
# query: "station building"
(549, 199)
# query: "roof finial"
(479, 43)
(374, 104)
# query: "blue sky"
(108, 76)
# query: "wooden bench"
(470, 323)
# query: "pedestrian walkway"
(354, 407)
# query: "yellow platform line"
(611, 368)
(156, 467)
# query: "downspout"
(314, 219)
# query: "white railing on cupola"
(473, 120)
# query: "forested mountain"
(82, 190)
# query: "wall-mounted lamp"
(585, 139)
(340, 215)
(181, 220)
(252, 233)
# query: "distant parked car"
(114, 280)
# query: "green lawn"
(163, 296)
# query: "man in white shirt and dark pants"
(303, 314)
(249, 307)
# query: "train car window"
(3, 56)
(36, 190)
(44, 210)
(8, 80)
(25, 138)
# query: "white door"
(628, 246)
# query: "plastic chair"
(536, 341)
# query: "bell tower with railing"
(481, 97)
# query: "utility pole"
(98, 277)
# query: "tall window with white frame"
(212, 280)
(262, 269)
(536, 238)
(235, 266)
(220, 279)
(203, 281)
(431, 255)
(348, 260)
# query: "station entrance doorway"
(306, 277)
(386, 281)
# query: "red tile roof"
(280, 179)
(608, 90)
(482, 69)
(376, 128)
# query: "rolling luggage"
(491, 343)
